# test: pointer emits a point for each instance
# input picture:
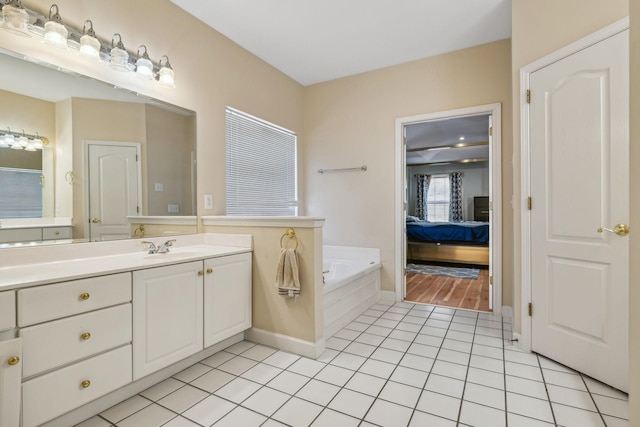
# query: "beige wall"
(634, 276)
(351, 122)
(538, 29)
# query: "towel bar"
(291, 234)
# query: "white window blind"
(438, 199)
(20, 193)
(261, 167)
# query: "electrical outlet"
(208, 201)
(173, 208)
(159, 187)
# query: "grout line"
(546, 389)
(504, 379)
(466, 376)
(592, 399)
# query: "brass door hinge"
(528, 96)
(529, 203)
(530, 309)
(491, 131)
(491, 280)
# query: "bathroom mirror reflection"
(110, 157)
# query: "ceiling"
(459, 139)
(317, 41)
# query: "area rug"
(436, 270)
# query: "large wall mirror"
(114, 160)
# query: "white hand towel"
(287, 274)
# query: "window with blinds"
(261, 161)
(20, 193)
(438, 199)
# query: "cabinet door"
(10, 379)
(227, 297)
(167, 316)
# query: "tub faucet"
(164, 248)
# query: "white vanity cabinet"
(227, 297)
(10, 379)
(167, 316)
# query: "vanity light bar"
(162, 73)
(21, 140)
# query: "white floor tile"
(374, 313)
(516, 420)
(306, 367)
(486, 396)
(569, 416)
(487, 351)
(348, 361)
(262, 373)
(327, 355)
(161, 389)
(387, 414)
(183, 398)
(347, 334)
(379, 330)
(351, 403)
(258, 352)
(281, 359)
(460, 336)
(386, 355)
(409, 376)
(335, 375)
(555, 366)
(564, 379)
(403, 335)
(238, 365)
(437, 323)
(212, 380)
(447, 369)
(417, 320)
(338, 344)
(615, 422)
(489, 332)
(192, 372)
(423, 350)
(396, 344)
(401, 394)
(613, 407)
(318, 392)
(369, 320)
(180, 421)
(125, 408)
(367, 338)
(481, 416)
(357, 326)
(445, 385)
(597, 387)
(487, 363)
(152, 415)
(461, 327)
(431, 340)
(436, 332)
(240, 347)
(527, 387)
(241, 417)
(402, 308)
(209, 410)
(490, 341)
(529, 407)
(484, 377)
(454, 356)
(439, 404)
(266, 401)
(461, 346)
(273, 423)
(409, 327)
(94, 422)
(392, 316)
(571, 397)
(523, 371)
(386, 323)
(217, 359)
(417, 362)
(297, 412)
(331, 418)
(421, 419)
(524, 358)
(367, 384)
(237, 390)
(288, 382)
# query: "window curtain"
(455, 198)
(421, 197)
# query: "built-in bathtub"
(351, 284)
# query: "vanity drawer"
(53, 394)
(57, 343)
(54, 233)
(40, 304)
(7, 310)
(20, 235)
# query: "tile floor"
(396, 365)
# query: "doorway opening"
(448, 231)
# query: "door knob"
(619, 229)
(95, 220)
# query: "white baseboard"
(507, 311)
(284, 342)
(105, 402)
(388, 296)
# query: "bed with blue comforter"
(472, 232)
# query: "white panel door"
(113, 190)
(580, 183)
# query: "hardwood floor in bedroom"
(449, 291)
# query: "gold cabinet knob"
(84, 296)
(57, 233)
(85, 336)
(200, 273)
(13, 360)
(209, 270)
(85, 384)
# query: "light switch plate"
(208, 201)
(159, 187)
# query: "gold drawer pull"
(200, 273)
(84, 296)
(13, 360)
(85, 384)
(85, 336)
(209, 270)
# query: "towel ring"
(291, 234)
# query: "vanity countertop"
(19, 276)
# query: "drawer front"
(7, 310)
(36, 305)
(52, 344)
(53, 394)
(20, 235)
(54, 233)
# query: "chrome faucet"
(162, 249)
